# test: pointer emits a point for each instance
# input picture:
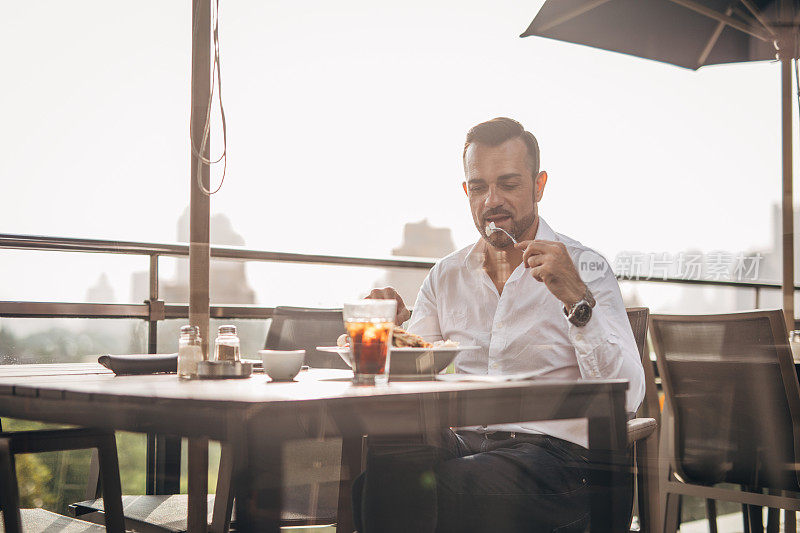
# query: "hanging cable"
(216, 80)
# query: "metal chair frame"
(672, 477)
(12, 443)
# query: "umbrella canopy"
(686, 33)
(691, 34)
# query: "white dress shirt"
(524, 329)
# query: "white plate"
(410, 363)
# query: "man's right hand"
(388, 293)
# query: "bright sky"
(347, 119)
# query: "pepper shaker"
(226, 346)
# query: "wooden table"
(256, 419)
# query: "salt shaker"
(226, 347)
(190, 352)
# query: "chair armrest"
(640, 428)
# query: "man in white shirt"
(547, 306)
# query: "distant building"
(227, 278)
(228, 285)
(101, 292)
(420, 239)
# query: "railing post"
(152, 325)
(152, 347)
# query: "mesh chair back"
(303, 328)
(308, 499)
(733, 391)
(650, 408)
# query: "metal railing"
(163, 453)
(154, 310)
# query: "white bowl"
(409, 363)
(282, 365)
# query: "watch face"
(582, 314)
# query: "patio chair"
(33, 520)
(305, 328)
(312, 466)
(642, 434)
(310, 494)
(732, 412)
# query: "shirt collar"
(544, 232)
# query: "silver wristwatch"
(580, 313)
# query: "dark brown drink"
(369, 344)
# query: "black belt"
(503, 435)
(530, 437)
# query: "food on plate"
(403, 339)
(342, 340)
(445, 344)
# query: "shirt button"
(500, 325)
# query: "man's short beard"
(498, 239)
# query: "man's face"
(501, 189)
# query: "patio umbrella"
(691, 34)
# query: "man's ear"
(539, 183)
(464, 186)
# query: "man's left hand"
(551, 264)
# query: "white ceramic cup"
(282, 365)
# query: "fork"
(491, 228)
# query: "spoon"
(491, 228)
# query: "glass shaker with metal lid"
(226, 347)
(190, 351)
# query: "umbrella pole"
(199, 203)
(787, 208)
(199, 251)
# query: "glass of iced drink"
(369, 325)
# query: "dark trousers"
(469, 482)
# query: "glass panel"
(132, 453)
(270, 284)
(675, 298)
(68, 340)
(72, 277)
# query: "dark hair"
(497, 131)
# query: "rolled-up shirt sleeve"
(605, 346)
(424, 319)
